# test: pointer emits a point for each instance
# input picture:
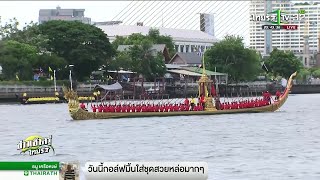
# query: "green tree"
(120, 40)
(316, 73)
(231, 56)
(147, 62)
(156, 38)
(8, 28)
(152, 36)
(83, 45)
(304, 73)
(282, 63)
(53, 61)
(122, 60)
(135, 39)
(30, 34)
(17, 58)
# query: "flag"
(50, 70)
(17, 77)
(264, 67)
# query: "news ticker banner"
(146, 171)
(105, 170)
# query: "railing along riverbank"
(172, 90)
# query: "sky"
(230, 17)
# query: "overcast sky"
(230, 17)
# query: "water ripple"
(280, 145)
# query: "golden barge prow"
(78, 113)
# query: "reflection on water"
(280, 145)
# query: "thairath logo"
(36, 145)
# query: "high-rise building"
(63, 14)
(293, 40)
(207, 23)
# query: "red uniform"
(186, 101)
(100, 108)
(82, 106)
(138, 108)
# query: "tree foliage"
(232, 57)
(142, 59)
(83, 45)
(17, 59)
(8, 28)
(152, 36)
(20, 59)
(55, 44)
(282, 63)
(146, 62)
(316, 72)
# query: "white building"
(184, 40)
(284, 39)
(63, 14)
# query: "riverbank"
(13, 93)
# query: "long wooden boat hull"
(83, 115)
(80, 114)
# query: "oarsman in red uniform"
(138, 108)
(153, 108)
(94, 108)
(144, 108)
(100, 108)
(117, 108)
(222, 106)
(200, 107)
(122, 108)
(183, 107)
(104, 108)
(107, 108)
(202, 100)
(166, 108)
(176, 107)
(235, 105)
(226, 106)
(156, 108)
(186, 102)
(241, 105)
(129, 108)
(82, 106)
(196, 108)
(150, 108)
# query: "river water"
(280, 145)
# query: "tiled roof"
(157, 47)
(176, 34)
(190, 58)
